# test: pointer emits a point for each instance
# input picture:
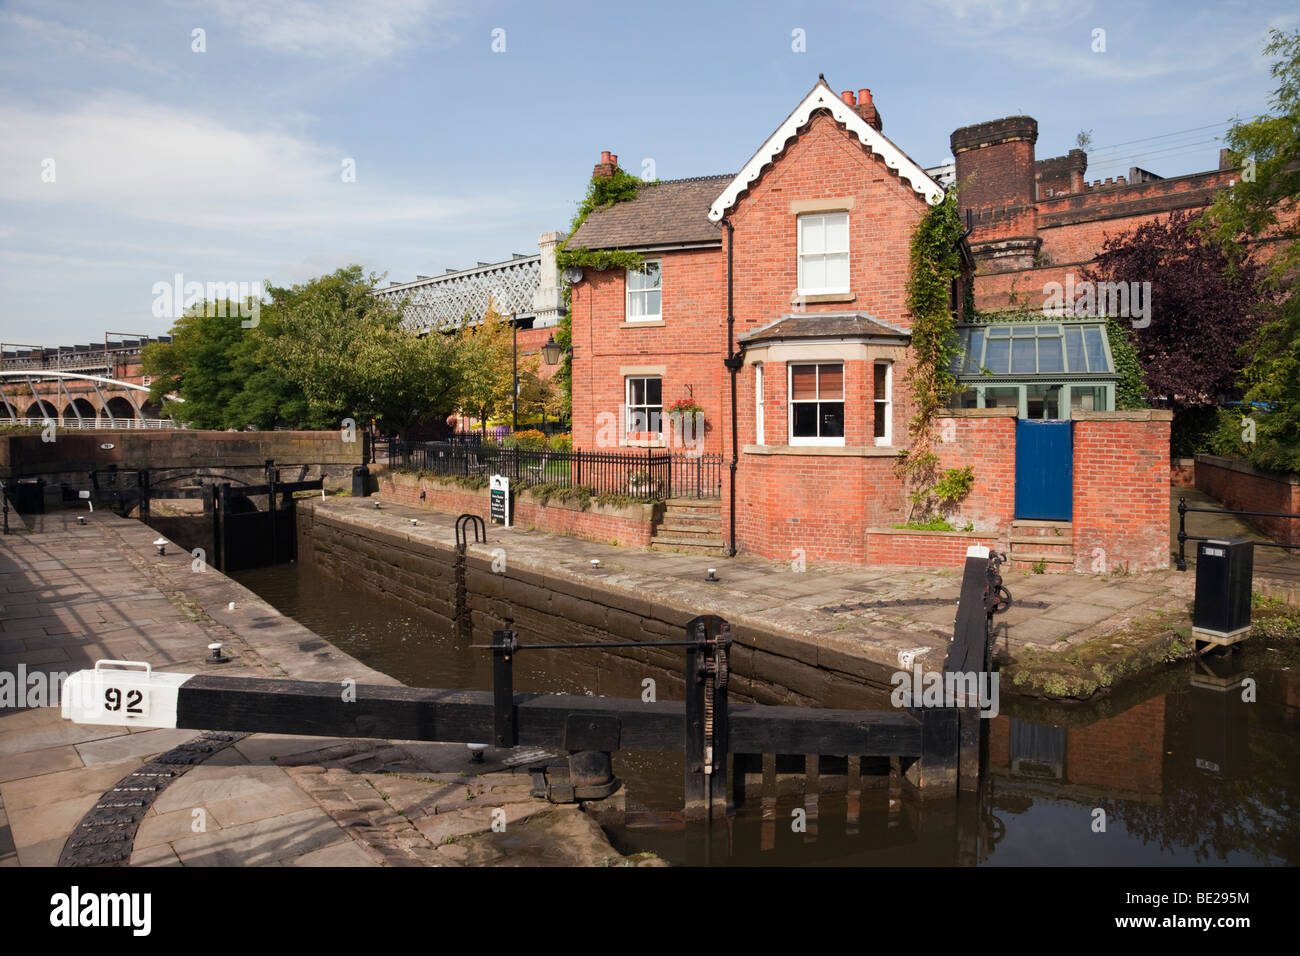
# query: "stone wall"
(421, 574)
(75, 451)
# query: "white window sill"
(845, 451)
(824, 295)
(634, 323)
(644, 443)
(816, 442)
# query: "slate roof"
(814, 325)
(672, 211)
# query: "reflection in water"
(1188, 773)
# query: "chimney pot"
(864, 97)
(604, 155)
(847, 97)
(613, 158)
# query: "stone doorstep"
(687, 530)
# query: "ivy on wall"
(935, 265)
(602, 192)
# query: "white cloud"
(81, 44)
(372, 30)
(147, 161)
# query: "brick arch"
(41, 409)
(82, 406)
(117, 407)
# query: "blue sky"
(226, 165)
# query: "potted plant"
(639, 484)
(686, 419)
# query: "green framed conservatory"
(1043, 369)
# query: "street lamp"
(552, 351)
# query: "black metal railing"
(653, 474)
(1184, 537)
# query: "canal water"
(1177, 771)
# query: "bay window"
(817, 404)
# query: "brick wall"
(819, 504)
(630, 525)
(1125, 752)
(985, 439)
(1121, 489)
(925, 549)
(1243, 488)
(690, 345)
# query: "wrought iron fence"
(653, 475)
(1184, 537)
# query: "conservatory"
(1043, 369)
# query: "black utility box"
(1224, 571)
(28, 496)
(360, 478)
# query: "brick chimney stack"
(605, 168)
(866, 108)
(995, 165)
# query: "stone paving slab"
(260, 842)
(255, 809)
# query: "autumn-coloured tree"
(485, 366)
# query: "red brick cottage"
(775, 299)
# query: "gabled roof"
(670, 212)
(819, 325)
(822, 97)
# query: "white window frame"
(759, 438)
(790, 402)
(799, 230)
(630, 292)
(628, 430)
(888, 438)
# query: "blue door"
(1044, 471)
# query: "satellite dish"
(573, 275)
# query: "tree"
(347, 351)
(485, 366)
(1199, 311)
(223, 372)
(196, 365)
(1257, 219)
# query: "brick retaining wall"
(630, 525)
(1243, 488)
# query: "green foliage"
(954, 485)
(1263, 203)
(1130, 387)
(1040, 567)
(321, 352)
(929, 524)
(602, 193)
(347, 351)
(561, 442)
(935, 264)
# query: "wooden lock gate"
(941, 743)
